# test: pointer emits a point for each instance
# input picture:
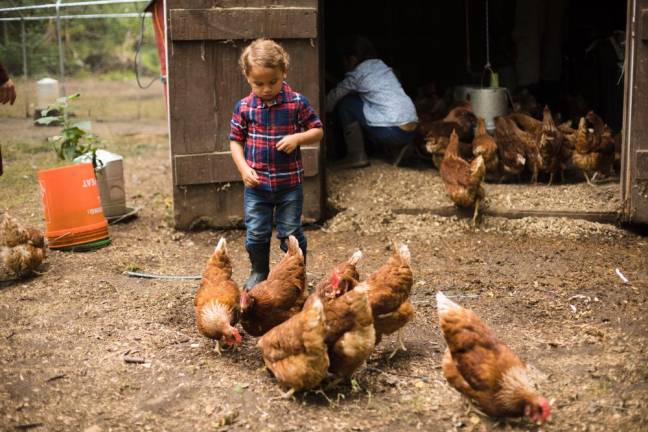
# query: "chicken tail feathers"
(222, 245)
(444, 304)
(357, 255)
(404, 253)
(214, 319)
(293, 247)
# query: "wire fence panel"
(94, 44)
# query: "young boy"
(267, 129)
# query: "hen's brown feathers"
(295, 350)
(390, 287)
(22, 249)
(480, 366)
(350, 333)
(462, 180)
(216, 302)
(278, 298)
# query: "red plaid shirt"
(259, 127)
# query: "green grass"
(22, 158)
(109, 97)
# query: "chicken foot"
(399, 338)
(218, 348)
(284, 396)
(589, 182)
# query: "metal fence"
(27, 13)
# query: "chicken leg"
(475, 214)
(399, 338)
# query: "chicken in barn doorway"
(512, 151)
(485, 146)
(22, 249)
(481, 367)
(550, 147)
(463, 180)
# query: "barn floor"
(547, 286)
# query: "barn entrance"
(435, 48)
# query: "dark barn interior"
(439, 45)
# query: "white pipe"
(87, 16)
(85, 3)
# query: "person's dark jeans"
(287, 205)
(350, 109)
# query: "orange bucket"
(73, 212)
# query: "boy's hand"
(250, 177)
(288, 144)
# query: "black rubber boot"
(260, 264)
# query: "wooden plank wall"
(205, 82)
(634, 182)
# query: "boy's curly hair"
(266, 53)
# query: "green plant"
(74, 139)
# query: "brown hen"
(605, 145)
(217, 299)
(481, 367)
(512, 152)
(279, 297)
(550, 146)
(585, 155)
(485, 146)
(295, 351)
(463, 180)
(22, 249)
(350, 333)
(389, 289)
(342, 279)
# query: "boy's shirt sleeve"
(238, 125)
(307, 117)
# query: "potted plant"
(76, 143)
(75, 138)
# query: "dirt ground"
(547, 286)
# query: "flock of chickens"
(305, 338)
(467, 155)
(22, 249)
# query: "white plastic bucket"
(47, 91)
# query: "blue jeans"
(350, 109)
(287, 206)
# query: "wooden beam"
(593, 216)
(243, 23)
(219, 167)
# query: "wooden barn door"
(634, 170)
(205, 39)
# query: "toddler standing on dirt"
(267, 129)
